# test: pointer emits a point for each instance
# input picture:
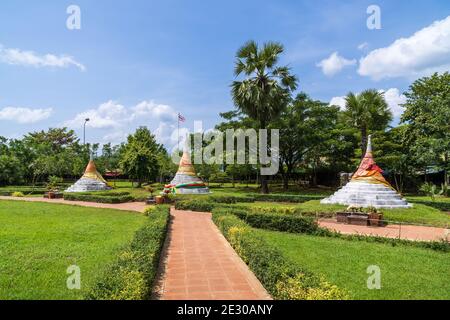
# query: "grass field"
(406, 272)
(38, 242)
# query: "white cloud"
(392, 96)
(108, 115)
(394, 99)
(150, 108)
(30, 58)
(338, 101)
(334, 64)
(25, 115)
(363, 46)
(425, 52)
(117, 121)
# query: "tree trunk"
(264, 184)
(285, 182)
(363, 141)
(446, 175)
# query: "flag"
(181, 118)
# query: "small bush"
(278, 222)
(132, 275)
(282, 279)
(443, 206)
(285, 198)
(28, 191)
(119, 197)
(195, 205)
(17, 194)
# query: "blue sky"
(140, 62)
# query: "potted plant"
(374, 216)
(52, 187)
(151, 198)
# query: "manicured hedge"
(278, 222)
(284, 198)
(9, 192)
(132, 275)
(195, 205)
(443, 206)
(281, 278)
(104, 197)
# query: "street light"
(84, 130)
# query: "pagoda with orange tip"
(91, 180)
(368, 187)
(186, 180)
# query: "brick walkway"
(198, 263)
(128, 206)
(390, 231)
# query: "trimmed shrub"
(278, 222)
(230, 199)
(285, 198)
(132, 275)
(195, 205)
(443, 206)
(294, 211)
(30, 191)
(119, 197)
(282, 279)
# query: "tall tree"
(428, 115)
(367, 112)
(266, 89)
(139, 159)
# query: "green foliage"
(431, 190)
(278, 221)
(428, 115)
(131, 276)
(53, 183)
(285, 198)
(195, 205)
(282, 279)
(266, 89)
(367, 112)
(100, 197)
(17, 194)
(139, 159)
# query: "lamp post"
(84, 130)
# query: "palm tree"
(367, 112)
(266, 90)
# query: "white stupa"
(368, 187)
(92, 180)
(186, 180)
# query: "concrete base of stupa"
(185, 179)
(363, 194)
(193, 191)
(87, 185)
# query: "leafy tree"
(266, 89)
(139, 159)
(428, 115)
(367, 112)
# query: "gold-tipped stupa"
(186, 180)
(368, 187)
(91, 180)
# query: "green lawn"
(406, 272)
(39, 241)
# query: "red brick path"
(198, 263)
